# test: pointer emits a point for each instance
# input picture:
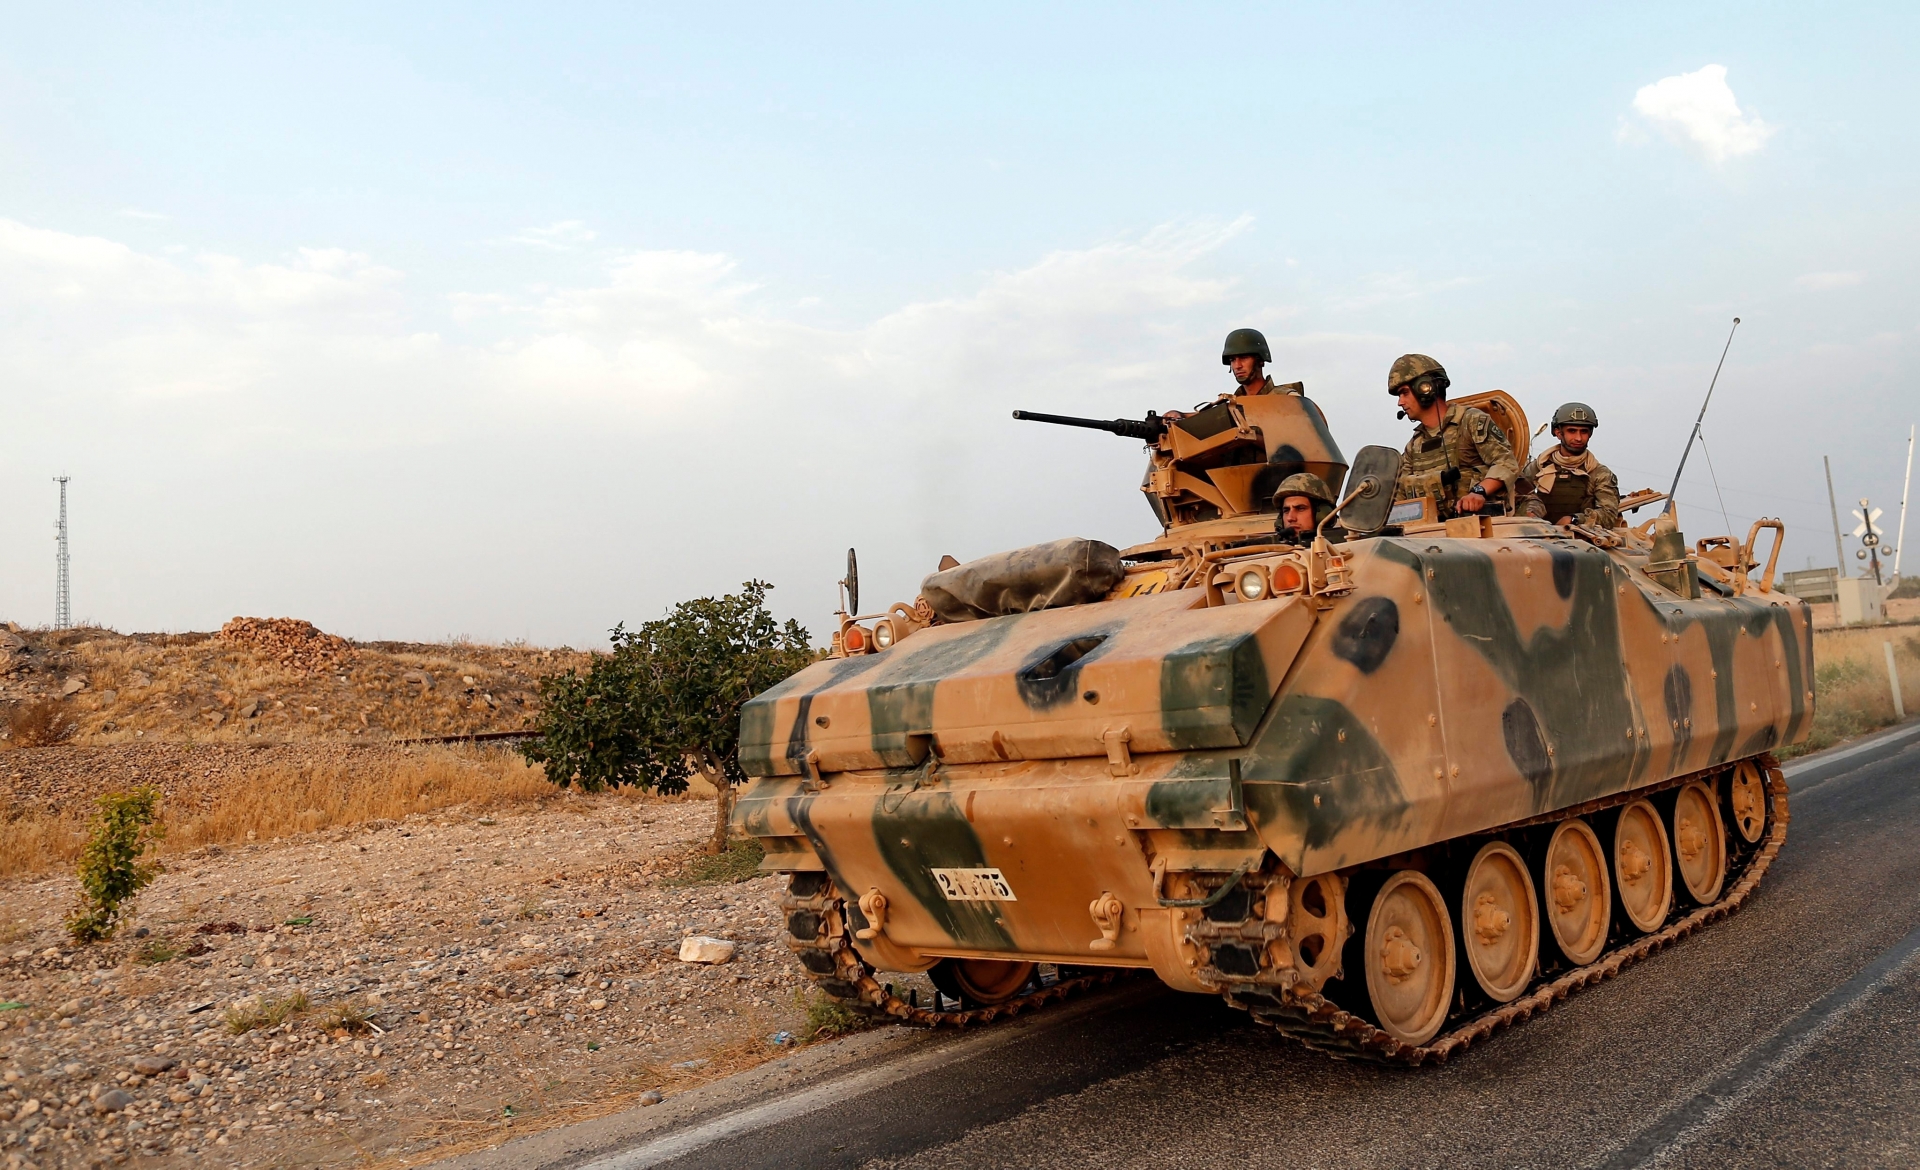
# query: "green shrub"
(114, 865)
(665, 705)
(1828, 676)
(738, 863)
(828, 1017)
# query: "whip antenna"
(1702, 415)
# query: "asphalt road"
(1787, 1035)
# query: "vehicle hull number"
(973, 885)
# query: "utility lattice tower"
(62, 594)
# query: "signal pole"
(62, 594)
(1839, 553)
(1901, 539)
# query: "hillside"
(267, 681)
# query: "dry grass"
(348, 1016)
(265, 1012)
(1851, 692)
(282, 801)
(35, 723)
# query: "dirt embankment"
(271, 679)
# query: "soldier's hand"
(1471, 502)
(1566, 522)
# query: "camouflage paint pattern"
(1453, 686)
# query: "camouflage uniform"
(1468, 442)
(1582, 488)
(1267, 386)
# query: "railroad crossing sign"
(1868, 521)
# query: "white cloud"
(1699, 109)
(712, 419)
(563, 236)
(1823, 281)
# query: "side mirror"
(1370, 490)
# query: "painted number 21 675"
(974, 885)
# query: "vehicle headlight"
(882, 634)
(1251, 585)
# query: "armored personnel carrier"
(1389, 793)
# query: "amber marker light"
(854, 639)
(1286, 579)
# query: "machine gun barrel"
(1147, 430)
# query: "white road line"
(1822, 759)
(1659, 1143)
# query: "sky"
(515, 322)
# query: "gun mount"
(1213, 472)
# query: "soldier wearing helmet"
(1304, 501)
(1458, 455)
(1570, 486)
(1246, 355)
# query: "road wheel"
(1747, 801)
(981, 982)
(1410, 958)
(1577, 894)
(1317, 924)
(1500, 921)
(1642, 866)
(1699, 842)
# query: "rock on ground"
(462, 976)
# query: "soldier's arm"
(1530, 502)
(1491, 444)
(1603, 500)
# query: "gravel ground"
(514, 970)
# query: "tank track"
(1324, 1026)
(819, 934)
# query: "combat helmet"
(1305, 483)
(1245, 343)
(1410, 368)
(1575, 414)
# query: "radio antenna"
(1703, 414)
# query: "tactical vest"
(1568, 497)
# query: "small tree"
(665, 705)
(113, 866)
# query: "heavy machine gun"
(1147, 430)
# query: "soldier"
(1246, 355)
(1570, 486)
(1304, 502)
(1457, 455)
